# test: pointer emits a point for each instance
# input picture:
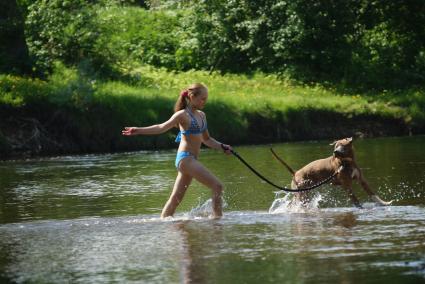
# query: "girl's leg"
(180, 186)
(195, 169)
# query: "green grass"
(243, 93)
(260, 92)
(273, 108)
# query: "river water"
(95, 219)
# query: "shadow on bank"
(45, 129)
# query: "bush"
(360, 43)
(274, 35)
(71, 87)
(60, 30)
(390, 47)
(16, 91)
(132, 36)
(104, 34)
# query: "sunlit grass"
(148, 97)
(261, 91)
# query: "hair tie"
(184, 94)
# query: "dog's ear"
(350, 139)
(333, 143)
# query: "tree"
(14, 56)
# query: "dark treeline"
(14, 57)
(355, 43)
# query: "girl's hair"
(193, 90)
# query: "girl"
(192, 123)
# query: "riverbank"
(71, 113)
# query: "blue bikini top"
(194, 127)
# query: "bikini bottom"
(181, 155)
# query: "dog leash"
(275, 185)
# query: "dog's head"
(343, 148)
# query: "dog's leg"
(297, 195)
(372, 195)
(353, 198)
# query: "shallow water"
(95, 219)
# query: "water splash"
(404, 192)
(288, 204)
(203, 210)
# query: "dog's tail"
(282, 162)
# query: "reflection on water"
(95, 219)
(326, 245)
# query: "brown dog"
(316, 171)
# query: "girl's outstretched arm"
(154, 129)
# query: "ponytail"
(182, 101)
(184, 97)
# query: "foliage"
(363, 44)
(16, 91)
(61, 30)
(71, 87)
(390, 46)
(129, 35)
(273, 35)
(278, 68)
(359, 43)
(104, 34)
(64, 88)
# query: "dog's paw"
(380, 201)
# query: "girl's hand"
(128, 131)
(227, 149)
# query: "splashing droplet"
(288, 204)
